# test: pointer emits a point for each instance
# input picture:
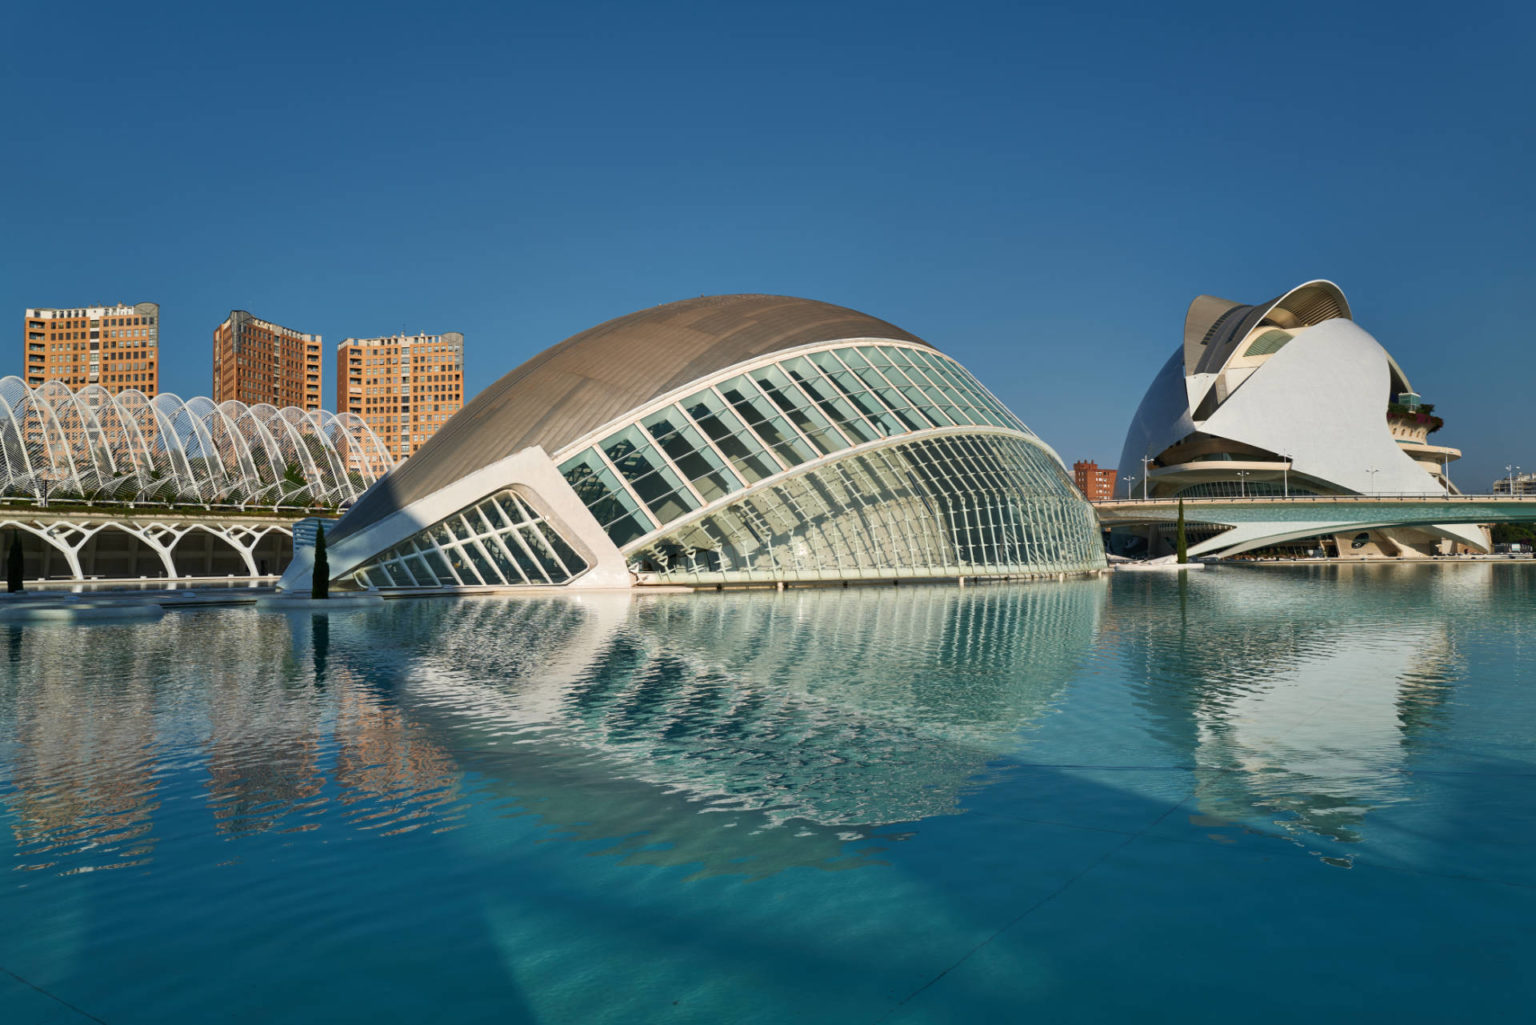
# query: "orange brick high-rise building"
(257, 361)
(404, 386)
(117, 347)
(1096, 485)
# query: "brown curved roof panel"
(594, 377)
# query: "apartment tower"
(257, 361)
(117, 347)
(404, 386)
(1096, 485)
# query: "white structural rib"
(91, 444)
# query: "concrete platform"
(79, 611)
(344, 602)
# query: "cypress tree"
(320, 583)
(1183, 544)
(13, 571)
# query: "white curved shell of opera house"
(1292, 397)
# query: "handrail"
(106, 505)
(1282, 499)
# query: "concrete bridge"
(1262, 521)
(125, 543)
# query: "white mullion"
(655, 446)
(532, 520)
(878, 430)
(676, 395)
(810, 404)
(645, 510)
(903, 475)
(897, 389)
(542, 542)
(781, 415)
(937, 383)
(881, 375)
(879, 399)
(715, 390)
(403, 568)
(725, 461)
(511, 561)
(948, 372)
(516, 532)
(866, 449)
(444, 552)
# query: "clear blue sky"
(1037, 189)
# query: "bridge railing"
(1373, 496)
(110, 505)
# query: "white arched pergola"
(92, 444)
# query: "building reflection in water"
(1288, 705)
(265, 728)
(81, 761)
(99, 730)
(797, 722)
(742, 732)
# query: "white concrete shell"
(1292, 390)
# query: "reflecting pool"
(1253, 794)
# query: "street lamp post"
(1511, 469)
(1145, 460)
(1285, 473)
(1242, 482)
(1373, 471)
(1128, 478)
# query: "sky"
(1037, 189)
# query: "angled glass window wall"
(650, 477)
(794, 404)
(763, 419)
(944, 506)
(858, 395)
(499, 541)
(731, 437)
(705, 468)
(769, 420)
(598, 487)
(829, 399)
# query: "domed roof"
(602, 373)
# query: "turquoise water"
(1252, 795)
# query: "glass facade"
(766, 421)
(863, 460)
(949, 505)
(499, 541)
(1242, 489)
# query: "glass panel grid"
(498, 541)
(757, 424)
(952, 505)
